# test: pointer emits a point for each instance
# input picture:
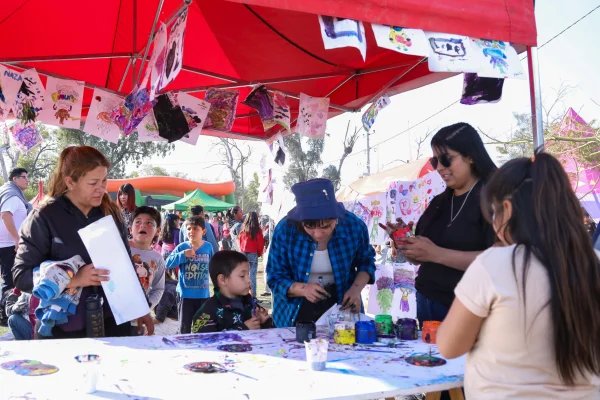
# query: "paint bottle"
(305, 331)
(428, 334)
(366, 332)
(406, 329)
(344, 333)
(385, 325)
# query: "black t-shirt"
(469, 232)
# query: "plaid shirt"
(290, 260)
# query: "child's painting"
(98, 121)
(174, 51)
(30, 98)
(158, 59)
(260, 99)
(10, 83)
(148, 130)
(452, 53)
(377, 206)
(128, 114)
(195, 111)
(64, 100)
(368, 118)
(394, 291)
(222, 110)
(500, 59)
(312, 117)
(410, 199)
(402, 40)
(26, 136)
(281, 110)
(342, 32)
(478, 90)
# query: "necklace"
(452, 216)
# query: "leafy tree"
(251, 195)
(302, 165)
(333, 174)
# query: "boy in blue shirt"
(192, 258)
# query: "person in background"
(209, 235)
(13, 211)
(252, 244)
(452, 230)
(216, 227)
(21, 316)
(542, 281)
(226, 241)
(590, 225)
(126, 203)
(169, 235)
(166, 318)
(235, 216)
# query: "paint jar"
(90, 367)
(305, 331)
(429, 331)
(386, 339)
(385, 325)
(366, 332)
(316, 354)
(344, 333)
(406, 329)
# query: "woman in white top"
(528, 312)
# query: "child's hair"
(546, 224)
(168, 228)
(223, 263)
(251, 225)
(196, 220)
(153, 213)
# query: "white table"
(149, 368)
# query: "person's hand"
(88, 275)
(253, 323)
(262, 314)
(314, 293)
(419, 249)
(351, 300)
(190, 253)
(147, 321)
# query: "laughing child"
(192, 258)
(232, 306)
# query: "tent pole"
(73, 57)
(150, 37)
(134, 58)
(125, 74)
(535, 93)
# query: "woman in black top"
(452, 231)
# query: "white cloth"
(15, 206)
(321, 267)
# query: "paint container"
(429, 331)
(385, 325)
(90, 366)
(316, 354)
(406, 329)
(366, 332)
(305, 331)
(386, 339)
(344, 333)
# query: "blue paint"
(366, 332)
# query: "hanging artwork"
(148, 130)
(377, 206)
(10, 83)
(64, 100)
(312, 117)
(222, 110)
(394, 291)
(478, 90)
(196, 112)
(402, 40)
(362, 211)
(174, 51)
(368, 118)
(500, 59)
(158, 58)
(30, 98)
(452, 53)
(410, 199)
(26, 136)
(260, 99)
(98, 121)
(171, 122)
(342, 32)
(4, 140)
(281, 111)
(128, 114)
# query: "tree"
(302, 165)
(251, 195)
(335, 174)
(155, 170)
(234, 157)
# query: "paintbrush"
(237, 373)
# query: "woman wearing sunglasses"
(452, 231)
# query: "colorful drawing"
(404, 279)
(64, 100)
(342, 32)
(312, 118)
(222, 110)
(281, 112)
(29, 368)
(174, 51)
(478, 90)
(10, 83)
(376, 212)
(26, 136)
(30, 98)
(500, 59)
(451, 53)
(368, 118)
(385, 294)
(148, 130)
(98, 121)
(196, 112)
(412, 198)
(204, 339)
(402, 40)
(158, 59)
(128, 114)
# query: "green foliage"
(302, 165)
(251, 195)
(385, 298)
(333, 174)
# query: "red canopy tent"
(237, 43)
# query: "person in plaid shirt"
(320, 255)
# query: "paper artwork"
(158, 58)
(128, 114)
(312, 117)
(98, 121)
(64, 100)
(478, 90)
(106, 249)
(174, 51)
(171, 122)
(222, 110)
(342, 32)
(272, 107)
(196, 112)
(148, 130)
(377, 206)
(368, 118)
(409, 200)
(10, 83)
(402, 40)
(4, 139)
(26, 136)
(499, 59)
(394, 291)
(451, 53)
(30, 98)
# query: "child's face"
(238, 283)
(143, 229)
(195, 232)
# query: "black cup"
(305, 331)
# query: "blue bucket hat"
(315, 199)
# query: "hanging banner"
(30, 98)
(174, 57)
(499, 59)
(368, 118)
(26, 136)
(402, 40)
(222, 110)
(10, 83)
(477, 90)
(452, 53)
(148, 130)
(196, 112)
(158, 59)
(98, 121)
(64, 100)
(342, 32)
(312, 116)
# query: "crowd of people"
(506, 263)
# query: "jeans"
(429, 310)
(187, 310)
(253, 260)
(20, 327)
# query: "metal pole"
(535, 92)
(150, 37)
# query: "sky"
(568, 59)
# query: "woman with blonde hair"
(77, 197)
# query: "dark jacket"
(219, 314)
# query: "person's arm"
(165, 304)
(280, 277)
(158, 283)
(12, 301)
(9, 224)
(210, 238)
(33, 249)
(177, 257)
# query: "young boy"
(232, 306)
(192, 258)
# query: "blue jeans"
(253, 260)
(429, 310)
(20, 327)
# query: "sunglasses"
(444, 159)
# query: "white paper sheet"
(10, 83)
(452, 53)
(342, 32)
(402, 40)
(63, 103)
(98, 122)
(500, 59)
(193, 108)
(107, 251)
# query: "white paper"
(107, 251)
(192, 108)
(340, 32)
(408, 200)
(335, 309)
(63, 103)
(397, 300)
(158, 59)
(402, 40)
(98, 122)
(30, 98)
(452, 53)
(499, 59)
(148, 130)
(10, 83)
(174, 51)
